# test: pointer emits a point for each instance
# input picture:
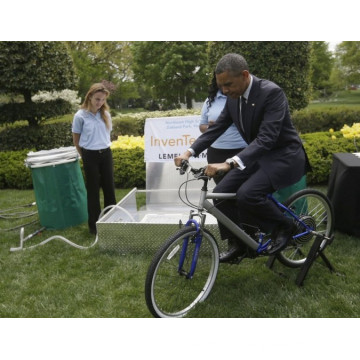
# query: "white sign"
(168, 137)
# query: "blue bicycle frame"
(195, 257)
(260, 247)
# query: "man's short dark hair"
(233, 63)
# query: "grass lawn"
(58, 280)
(345, 98)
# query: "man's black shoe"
(234, 251)
(283, 236)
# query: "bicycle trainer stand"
(314, 253)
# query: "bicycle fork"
(195, 256)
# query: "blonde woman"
(91, 130)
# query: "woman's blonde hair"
(98, 87)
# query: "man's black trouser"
(252, 207)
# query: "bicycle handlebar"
(185, 167)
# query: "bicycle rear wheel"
(315, 210)
(168, 291)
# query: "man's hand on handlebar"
(211, 170)
(185, 156)
(217, 169)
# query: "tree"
(27, 67)
(108, 61)
(348, 54)
(287, 63)
(337, 79)
(322, 63)
(174, 71)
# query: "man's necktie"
(243, 112)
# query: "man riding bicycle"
(275, 157)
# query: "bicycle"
(183, 271)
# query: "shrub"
(351, 132)
(137, 121)
(128, 142)
(129, 163)
(71, 96)
(44, 137)
(320, 148)
(305, 121)
(129, 168)
(125, 126)
(315, 120)
(13, 172)
(38, 111)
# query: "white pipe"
(22, 239)
(53, 238)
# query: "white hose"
(22, 239)
(53, 238)
(121, 209)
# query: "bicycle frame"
(205, 204)
(240, 233)
(183, 271)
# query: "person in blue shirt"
(228, 144)
(91, 130)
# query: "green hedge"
(129, 166)
(129, 169)
(320, 148)
(323, 119)
(39, 111)
(13, 172)
(305, 121)
(44, 137)
(54, 135)
(126, 126)
(57, 134)
(134, 123)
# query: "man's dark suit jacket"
(273, 141)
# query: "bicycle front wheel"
(315, 210)
(169, 291)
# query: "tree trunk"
(189, 104)
(27, 96)
(30, 117)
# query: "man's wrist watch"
(231, 162)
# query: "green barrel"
(282, 194)
(59, 187)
